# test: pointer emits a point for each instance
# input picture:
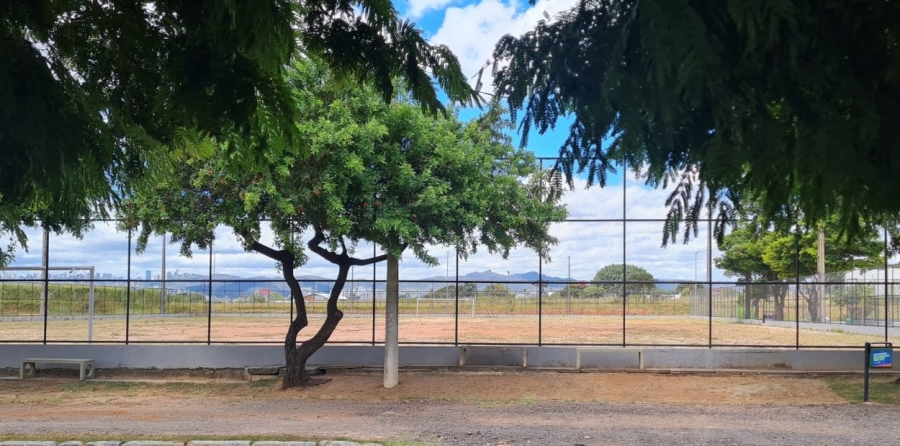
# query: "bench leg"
(641, 359)
(28, 370)
(86, 370)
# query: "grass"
(882, 389)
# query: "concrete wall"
(239, 356)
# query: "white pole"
(162, 289)
(820, 267)
(91, 309)
(391, 336)
(45, 263)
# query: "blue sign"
(881, 358)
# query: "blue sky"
(470, 28)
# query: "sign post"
(879, 355)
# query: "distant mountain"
(490, 276)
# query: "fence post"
(210, 302)
(128, 291)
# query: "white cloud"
(471, 31)
(584, 247)
(418, 8)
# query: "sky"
(469, 28)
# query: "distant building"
(147, 275)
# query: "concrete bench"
(580, 350)
(29, 366)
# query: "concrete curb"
(189, 443)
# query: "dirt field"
(452, 408)
(435, 329)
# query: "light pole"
(695, 269)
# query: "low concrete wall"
(239, 356)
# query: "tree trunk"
(780, 294)
(812, 304)
(391, 335)
(295, 356)
(747, 291)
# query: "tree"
(364, 170)
(789, 102)
(786, 260)
(742, 256)
(91, 91)
(758, 255)
(610, 278)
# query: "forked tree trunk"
(296, 356)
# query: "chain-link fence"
(608, 281)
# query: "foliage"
(612, 276)
(94, 91)
(788, 103)
(362, 169)
(757, 255)
(496, 291)
(365, 170)
(467, 291)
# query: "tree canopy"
(364, 169)
(762, 256)
(612, 276)
(91, 90)
(789, 102)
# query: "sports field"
(429, 329)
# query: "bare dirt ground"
(512, 329)
(455, 408)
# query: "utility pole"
(695, 270)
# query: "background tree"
(468, 291)
(363, 170)
(789, 102)
(783, 257)
(500, 293)
(742, 256)
(573, 290)
(611, 277)
(92, 90)
(757, 255)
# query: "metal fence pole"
(210, 302)
(456, 326)
(709, 231)
(128, 292)
(624, 250)
(797, 285)
(45, 299)
(886, 308)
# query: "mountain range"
(228, 287)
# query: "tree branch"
(315, 246)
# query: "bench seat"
(29, 366)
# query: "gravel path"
(534, 420)
(474, 424)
